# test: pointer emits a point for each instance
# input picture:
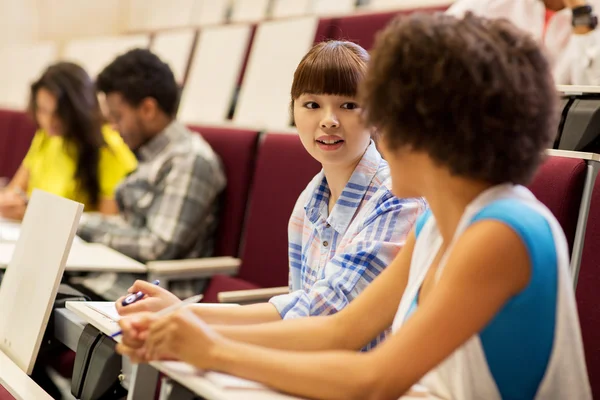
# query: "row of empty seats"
(247, 65)
(145, 15)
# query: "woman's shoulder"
(112, 137)
(526, 220)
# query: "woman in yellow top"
(72, 154)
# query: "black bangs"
(334, 68)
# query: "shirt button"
(326, 243)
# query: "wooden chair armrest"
(174, 270)
(252, 295)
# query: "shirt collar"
(160, 142)
(346, 206)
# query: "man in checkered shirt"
(168, 207)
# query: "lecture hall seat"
(362, 28)
(283, 169)
(559, 185)
(4, 395)
(16, 132)
(323, 32)
(237, 149)
(588, 295)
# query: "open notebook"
(106, 308)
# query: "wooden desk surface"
(18, 383)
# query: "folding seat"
(588, 295)
(16, 132)
(237, 149)
(362, 28)
(93, 54)
(214, 73)
(175, 48)
(20, 65)
(559, 185)
(249, 10)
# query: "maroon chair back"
(588, 295)
(237, 149)
(559, 185)
(283, 169)
(362, 28)
(16, 132)
(5, 395)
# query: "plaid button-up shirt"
(333, 257)
(168, 208)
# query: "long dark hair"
(80, 116)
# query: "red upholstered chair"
(283, 169)
(324, 29)
(237, 149)
(588, 293)
(361, 28)
(16, 132)
(4, 395)
(559, 185)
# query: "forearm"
(243, 315)
(311, 333)
(20, 180)
(327, 375)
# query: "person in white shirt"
(566, 28)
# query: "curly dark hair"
(475, 94)
(78, 110)
(139, 74)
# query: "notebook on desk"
(106, 308)
(109, 309)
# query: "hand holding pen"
(133, 297)
(166, 311)
(145, 296)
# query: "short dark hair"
(333, 67)
(475, 94)
(139, 74)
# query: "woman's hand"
(155, 299)
(12, 205)
(135, 332)
(182, 336)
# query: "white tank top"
(465, 374)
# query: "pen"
(132, 298)
(169, 310)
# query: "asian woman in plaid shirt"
(346, 225)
